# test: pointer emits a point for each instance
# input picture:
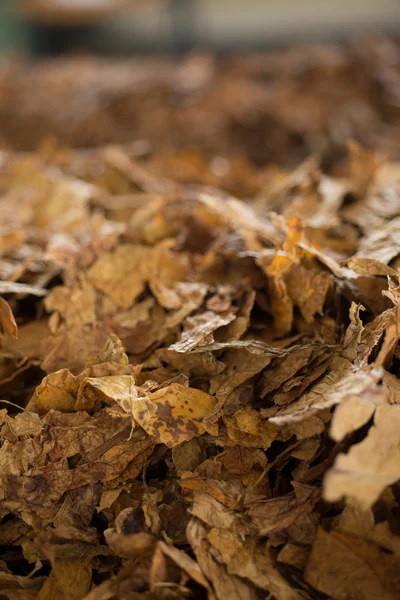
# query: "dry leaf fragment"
(56, 392)
(247, 427)
(251, 562)
(354, 411)
(225, 585)
(13, 287)
(356, 520)
(273, 516)
(187, 564)
(293, 555)
(129, 538)
(173, 414)
(370, 266)
(198, 330)
(283, 370)
(369, 466)
(123, 274)
(68, 580)
(308, 289)
(7, 321)
(352, 338)
(189, 455)
(371, 335)
(346, 567)
(341, 382)
(215, 514)
(120, 274)
(118, 389)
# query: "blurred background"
(148, 26)
(263, 81)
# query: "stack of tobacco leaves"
(199, 394)
(274, 108)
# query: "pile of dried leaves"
(202, 400)
(275, 108)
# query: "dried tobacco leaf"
(7, 321)
(344, 566)
(371, 464)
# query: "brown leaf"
(246, 426)
(225, 585)
(129, 538)
(251, 563)
(7, 321)
(120, 274)
(370, 465)
(354, 411)
(56, 392)
(346, 567)
(340, 383)
(173, 414)
(187, 564)
(275, 515)
(307, 289)
(69, 580)
(370, 266)
(198, 330)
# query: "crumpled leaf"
(274, 515)
(341, 382)
(174, 414)
(369, 466)
(225, 586)
(247, 427)
(281, 301)
(13, 287)
(7, 321)
(69, 580)
(57, 391)
(124, 273)
(129, 538)
(340, 566)
(198, 330)
(354, 411)
(187, 564)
